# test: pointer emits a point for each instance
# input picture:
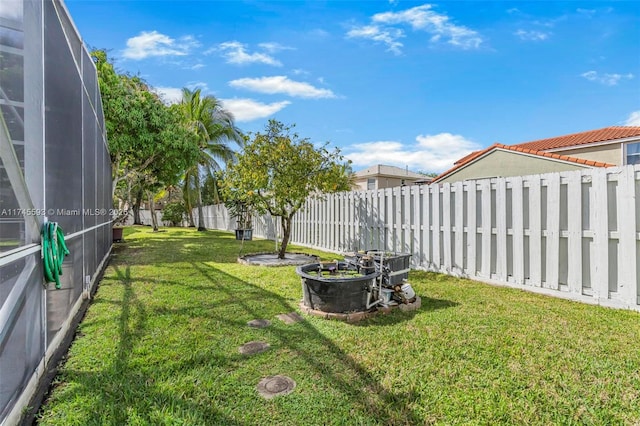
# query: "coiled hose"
(53, 252)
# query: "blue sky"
(394, 82)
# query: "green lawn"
(159, 345)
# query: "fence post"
(553, 232)
(426, 231)
(405, 197)
(574, 226)
(535, 232)
(458, 261)
(435, 232)
(446, 227)
(517, 210)
(501, 229)
(472, 228)
(485, 186)
(628, 231)
(600, 226)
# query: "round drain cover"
(259, 323)
(253, 348)
(273, 386)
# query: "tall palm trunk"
(186, 193)
(201, 226)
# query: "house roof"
(583, 138)
(517, 148)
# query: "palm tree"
(214, 128)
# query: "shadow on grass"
(321, 356)
(125, 384)
(428, 305)
(124, 391)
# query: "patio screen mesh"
(54, 165)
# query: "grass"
(159, 346)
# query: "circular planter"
(327, 287)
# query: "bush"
(174, 213)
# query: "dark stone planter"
(244, 234)
(117, 234)
(339, 294)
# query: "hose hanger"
(54, 250)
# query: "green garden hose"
(53, 252)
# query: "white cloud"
(236, 53)
(389, 36)
(244, 109)
(173, 95)
(281, 84)
(193, 85)
(439, 25)
(272, 47)
(633, 119)
(153, 43)
(606, 79)
(429, 152)
(532, 35)
(169, 95)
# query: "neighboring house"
(610, 146)
(382, 176)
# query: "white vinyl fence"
(570, 234)
(145, 218)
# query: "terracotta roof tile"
(582, 138)
(518, 148)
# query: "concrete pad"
(290, 318)
(259, 323)
(273, 386)
(252, 348)
(271, 259)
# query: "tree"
(277, 171)
(428, 174)
(148, 143)
(213, 128)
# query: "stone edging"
(359, 316)
(242, 260)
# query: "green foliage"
(212, 128)
(211, 189)
(428, 174)
(148, 143)
(174, 213)
(241, 211)
(278, 170)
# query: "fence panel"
(572, 233)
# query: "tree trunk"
(136, 208)
(286, 232)
(199, 203)
(186, 195)
(152, 209)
